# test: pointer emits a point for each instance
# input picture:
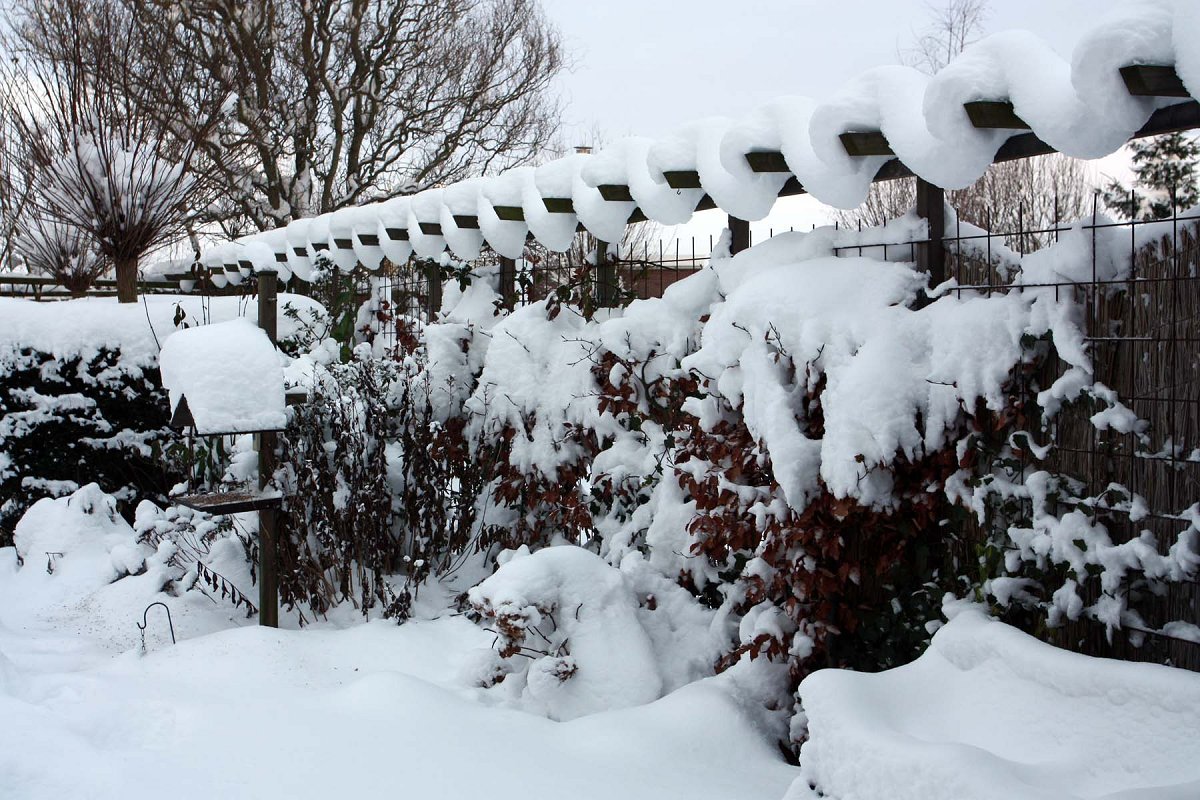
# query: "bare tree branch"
(336, 102)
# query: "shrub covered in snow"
(575, 636)
(337, 474)
(80, 568)
(800, 445)
(67, 422)
(80, 537)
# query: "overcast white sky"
(646, 66)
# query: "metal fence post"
(931, 255)
(268, 522)
(739, 230)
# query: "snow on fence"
(1141, 325)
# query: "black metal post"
(606, 277)
(433, 275)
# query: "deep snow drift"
(990, 712)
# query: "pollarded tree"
(60, 251)
(337, 102)
(95, 162)
(1166, 180)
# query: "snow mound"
(990, 712)
(79, 539)
(574, 619)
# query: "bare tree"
(60, 251)
(97, 163)
(336, 102)
(1018, 197)
(14, 191)
(1024, 200)
(952, 27)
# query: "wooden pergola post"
(508, 282)
(268, 521)
(433, 276)
(931, 254)
(739, 230)
(606, 277)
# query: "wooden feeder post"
(268, 521)
(250, 398)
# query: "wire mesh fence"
(1142, 329)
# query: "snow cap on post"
(268, 251)
(223, 378)
(364, 234)
(460, 218)
(297, 245)
(501, 217)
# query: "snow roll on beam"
(1133, 73)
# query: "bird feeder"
(226, 379)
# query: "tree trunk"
(127, 275)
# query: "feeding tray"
(230, 502)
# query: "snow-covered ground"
(342, 709)
(989, 712)
(347, 708)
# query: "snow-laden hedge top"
(82, 328)
(815, 374)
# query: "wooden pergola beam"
(1153, 80)
(866, 143)
(1142, 80)
(767, 161)
(431, 228)
(559, 205)
(467, 222)
(683, 179)
(510, 213)
(615, 193)
(994, 114)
